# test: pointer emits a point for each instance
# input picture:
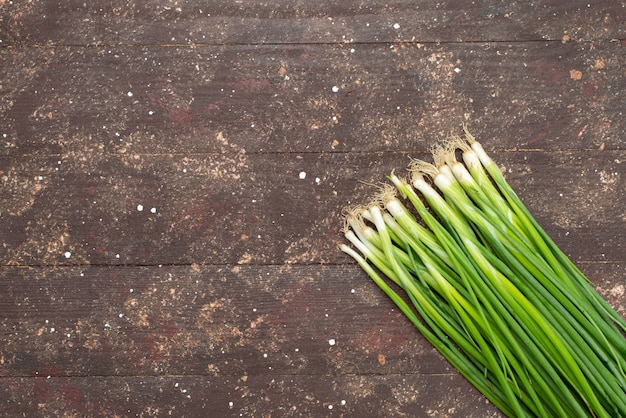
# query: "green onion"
(490, 290)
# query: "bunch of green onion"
(490, 290)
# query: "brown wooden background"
(172, 175)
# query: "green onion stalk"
(463, 259)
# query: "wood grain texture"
(240, 208)
(278, 99)
(44, 22)
(172, 176)
(192, 339)
(216, 321)
(286, 396)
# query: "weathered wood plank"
(216, 321)
(283, 99)
(199, 337)
(239, 208)
(203, 320)
(76, 22)
(249, 396)
(224, 334)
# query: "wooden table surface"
(172, 175)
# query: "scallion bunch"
(490, 290)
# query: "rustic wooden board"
(198, 337)
(248, 396)
(239, 208)
(147, 99)
(204, 320)
(79, 23)
(216, 321)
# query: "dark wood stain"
(172, 176)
